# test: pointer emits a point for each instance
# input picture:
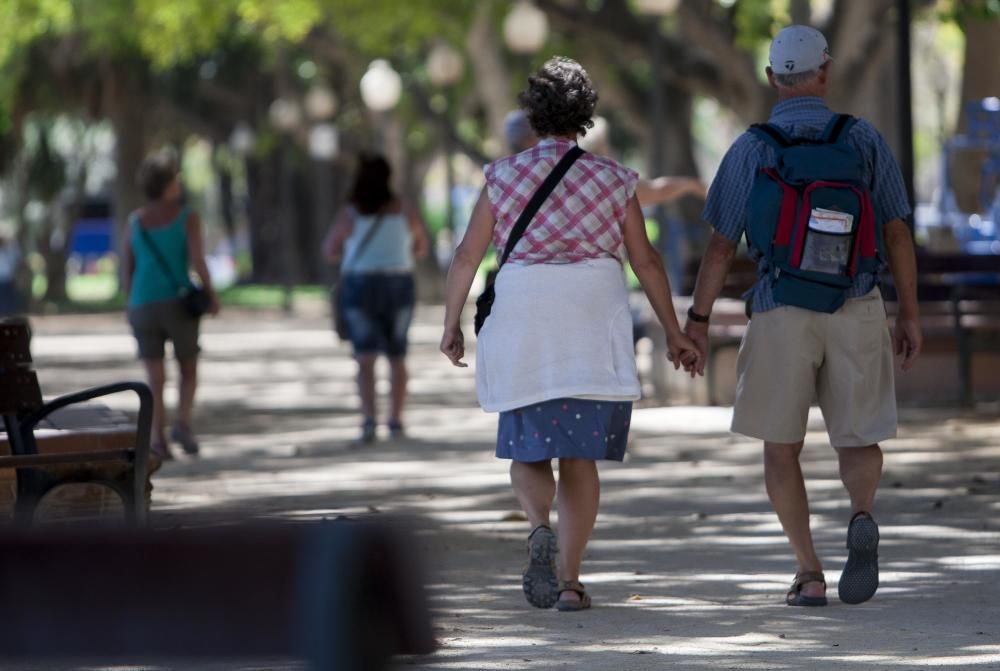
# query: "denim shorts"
(378, 309)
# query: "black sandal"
(795, 597)
(568, 606)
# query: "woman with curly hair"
(555, 356)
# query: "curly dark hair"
(560, 99)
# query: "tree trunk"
(492, 77)
(980, 80)
(52, 246)
(262, 176)
(126, 107)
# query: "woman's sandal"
(569, 606)
(541, 587)
(795, 597)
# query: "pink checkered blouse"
(582, 219)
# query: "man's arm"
(907, 337)
(711, 279)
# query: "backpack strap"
(838, 127)
(772, 135)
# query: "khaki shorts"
(153, 324)
(790, 357)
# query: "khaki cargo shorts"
(791, 357)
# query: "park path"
(688, 566)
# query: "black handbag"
(194, 298)
(337, 294)
(484, 304)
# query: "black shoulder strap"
(364, 241)
(772, 134)
(836, 127)
(558, 172)
(157, 254)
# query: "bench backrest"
(19, 390)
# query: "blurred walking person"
(376, 240)
(163, 245)
(10, 257)
(555, 355)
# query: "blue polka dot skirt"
(567, 428)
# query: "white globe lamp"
(320, 103)
(445, 65)
(526, 28)
(381, 86)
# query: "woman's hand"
(214, 305)
(453, 346)
(683, 351)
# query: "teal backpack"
(812, 216)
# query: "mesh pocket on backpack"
(827, 247)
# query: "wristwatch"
(695, 317)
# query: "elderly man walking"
(822, 204)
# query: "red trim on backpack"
(786, 217)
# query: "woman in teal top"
(163, 244)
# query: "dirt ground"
(687, 567)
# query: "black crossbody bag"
(194, 298)
(484, 304)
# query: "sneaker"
(181, 433)
(396, 429)
(368, 432)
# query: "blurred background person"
(10, 256)
(163, 245)
(376, 239)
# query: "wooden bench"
(959, 302)
(960, 308)
(46, 445)
(344, 595)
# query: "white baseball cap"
(798, 49)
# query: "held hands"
(683, 350)
(907, 341)
(453, 346)
(697, 332)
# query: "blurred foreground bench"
(343, 595)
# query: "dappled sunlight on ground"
(688, 565)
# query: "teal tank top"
(150, 281)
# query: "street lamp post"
(445, 67)
(526, 28)
(323, 143)
(381, 88)
(656, 10)
(286, 117)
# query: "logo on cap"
(789, 65)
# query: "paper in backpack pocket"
(831, 221)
